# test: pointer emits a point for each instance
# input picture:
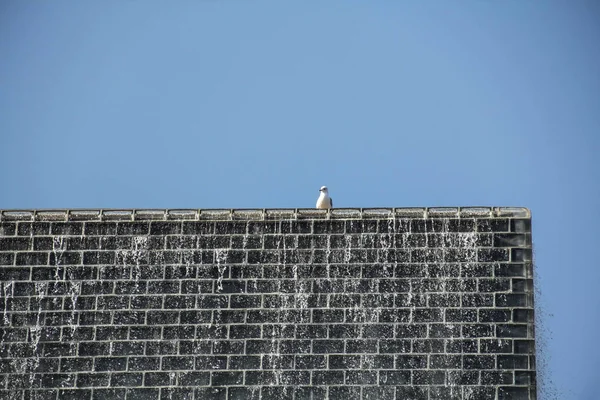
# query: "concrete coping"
(261, 214)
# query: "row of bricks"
(265, 227)
(345, 362)
(345, 291)
(261, 316)
(298, 304)
(268, 362)
(270, 347)
(253, 378)
(373, 305)
(249, 331)
(195, 334)
(229, 256)
(267, 242)
(337, 392)
(334, 278)
(342, 277)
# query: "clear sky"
(242, 104)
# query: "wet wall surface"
(267, 304)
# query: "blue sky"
(234, 104)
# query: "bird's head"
(323, 189)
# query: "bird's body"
(324, 201)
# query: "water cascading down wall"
(267, 304)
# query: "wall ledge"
(260, 214)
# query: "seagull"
(324, 201)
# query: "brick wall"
(267, 304)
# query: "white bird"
(324, 201)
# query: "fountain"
(292, 304)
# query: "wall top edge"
(261, 214)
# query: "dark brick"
(394, 377)
(494, 285)
(344, 331)
(512, 361)
(411, 330)
(461, 285)
(463, 377)
(159, 287)
(229, 316)
(492, 225)
(165, 228)
(382, 393)
(496, 378)
(478, 330)
(358, 378)
(478, 362)
(394, 346)
(13, 274)
(461, 346)
(226, 378)
(127, 348)
(194, 347)
(510, 270)
(101, 228)
(477, 270)
(344, 362)
(494, 315)
(244, 331)
(520, 255)
(513, 393)
(310, 362)
(33, 228)
(66, 228)
(524, 378)
(461, 315)
(228, 347)
(7, 259)
(495, 346)
(142, 394)
(428, 315)
(105, 394)
(520, 225)
(510, 240)
(429, 377)
(76, 364)
(178, 332)
(133, 228)
(328, 316)
(111, 332)
(477, 300)
(177, 363)
(179, 302)
(445, 393)
(32, 258)
(524, 347)
(411, 361)
(244, 362)
(126, 379)
(428, 346)
(512, 300)
(156, 379)
(328, 377)
(444, 361)
(328, 346)
(7, 228)
(92, 379)
(492, 255)
(73, 394)
(99, 257)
